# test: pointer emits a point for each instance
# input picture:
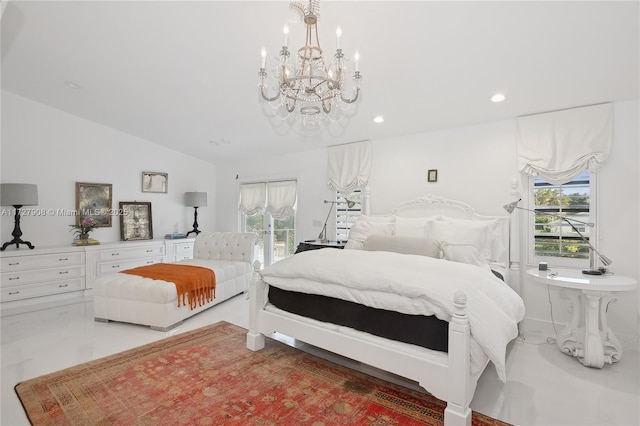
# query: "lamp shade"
(195, 199)
(18, 194)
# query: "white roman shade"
(281, 198)
(349, 166)
(253, 198)
(560, 145)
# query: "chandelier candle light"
(307, 87)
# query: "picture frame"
(94, 200)
(135, 221)
(432, 175)
(155, 182)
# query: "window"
(552, 236)
(269, 209)
(346, 216)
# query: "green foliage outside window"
(554, 236)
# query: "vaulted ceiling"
(184, 74)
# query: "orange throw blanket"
(196, 283)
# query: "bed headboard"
(433, 205)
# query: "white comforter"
(409, 284)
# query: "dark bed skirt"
(426, 331)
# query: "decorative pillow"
(363, 229)
(464, 253)
(494, 246)
(405, 245)
(411, 226)
(472, 233)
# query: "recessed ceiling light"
(72, 85)
(498, 97)
(378, 119)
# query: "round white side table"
(587, 337)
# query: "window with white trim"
(346, 216)
(552, 239)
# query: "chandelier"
(308, 89)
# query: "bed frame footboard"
(447, 377)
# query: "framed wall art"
(432, 175)
(155, 182)
(94, 200)
(135, 221)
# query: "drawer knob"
(63, 285)
(14, 264)
(13, 278)
(115, 266)
(150, 262)
(63, 259)
(115, 254)
(63, 272)
(149, 251)
(11, 293)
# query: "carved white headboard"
(433, 205)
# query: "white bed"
(472, 245)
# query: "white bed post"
(255, 339)
(459, 393)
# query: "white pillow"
(386, 219)
(411, 226)
(405, 245)
(363, 229)
(495, 246)
(464, 253)
(467, 233)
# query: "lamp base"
(17, 242)
(598, 271)
(193, 231)
(17, 233)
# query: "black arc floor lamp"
(593, 253)
(195, 200)
(18, 195)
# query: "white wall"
(475, 164)
(54, 150)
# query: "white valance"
(349, 166)
(253, 198)
(560, 145)
(281, 198)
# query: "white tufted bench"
(138, 300)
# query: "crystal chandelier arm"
(264, 95)
(350, 101)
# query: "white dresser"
(35, 273)
(30, 278)
(115, 257)
(180, 249)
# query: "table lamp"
(323, 234)
(593, 270)
(18, 195)
(195, 200)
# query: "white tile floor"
(544, 386)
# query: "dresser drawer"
(41, 261)
(111, 267)
(130, 253)
(184, 248)
(35, 290)
(19, 278)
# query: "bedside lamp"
(18, 195)
(593, 270)
(323, 234)
(195, 200)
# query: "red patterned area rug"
(209, 377)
